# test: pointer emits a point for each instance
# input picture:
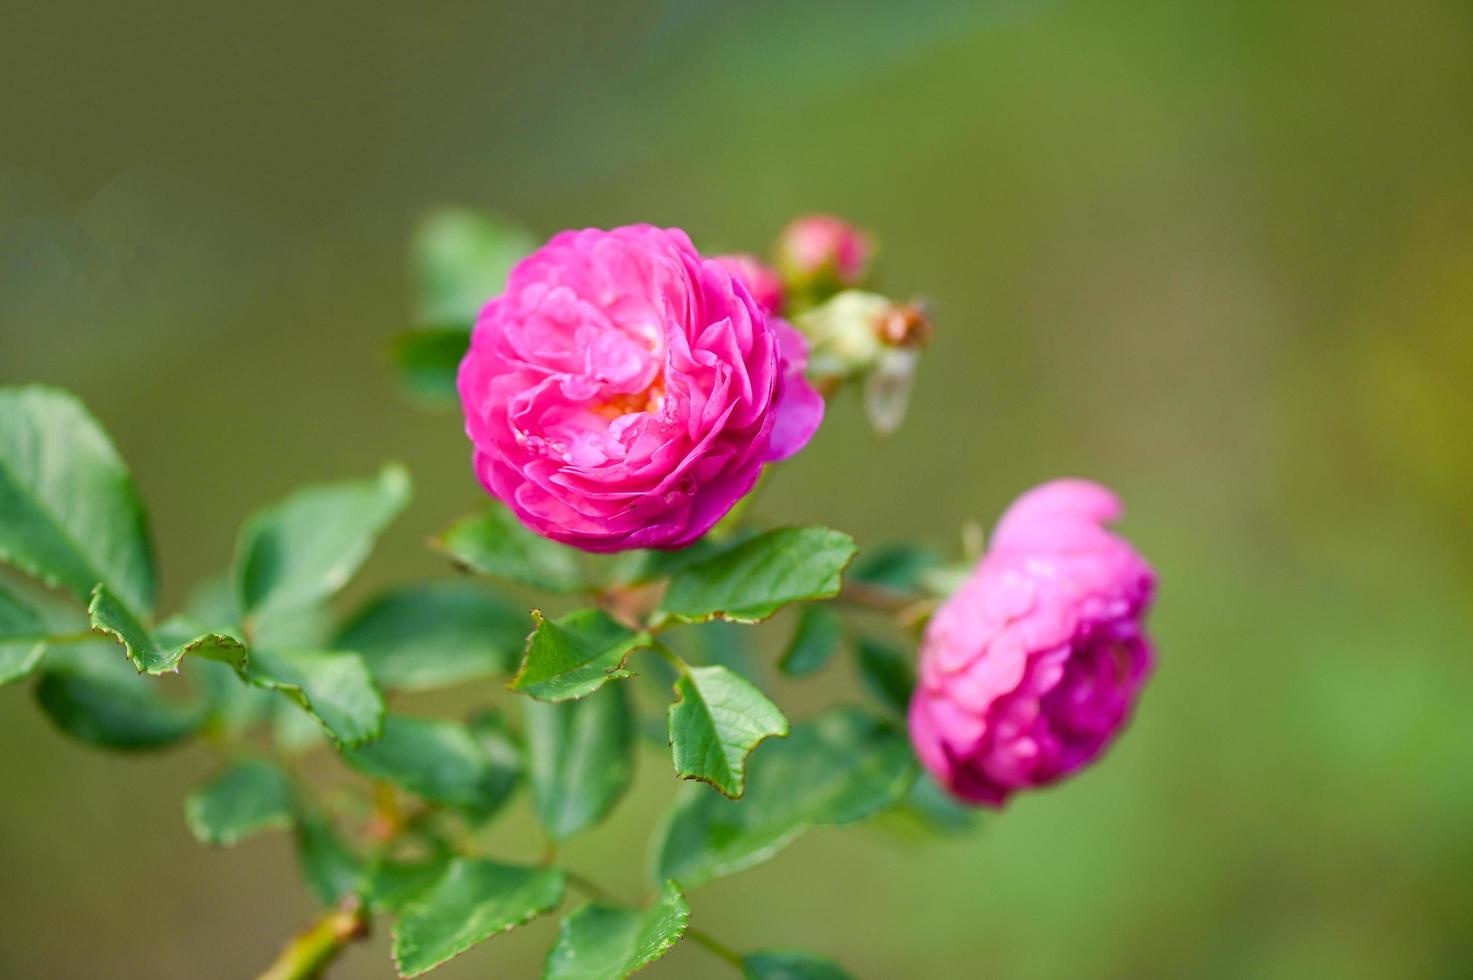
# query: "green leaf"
(331, 869)
(790, 964)
(21, 629)
(580, 758)
(245, 800)
(95, 696)
(716, 722)
(495, 543)
(886, 673)
(433, 634)
(393, 884)
(302, 550)
(460, 259)
(72, 515)
(573, 656)
(439, 761)
(607, 942)
(19, 660)
(752, 580)
(294, 731)
(838, 768)
(151, 654)
(897, 565)
(233, 704)
(935, 811)
(18, 621)
(472, 902)
(334, 687)
(814, 641)
(490, 729)
(428, 361)
(646, 565)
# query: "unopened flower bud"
(821, 253)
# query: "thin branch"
(879, 598)
(313, 950)
(716, 947)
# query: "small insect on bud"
(907, 324)
(865, 336)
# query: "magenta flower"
(763, 282)
(624, 392)
(819, 248)
(1033, 666)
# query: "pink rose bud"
(821, 250)
(624, 392)
(761, 279)
(1033, 666)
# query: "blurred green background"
(1219, 256)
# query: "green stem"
(716, 947)
(313, 950)
(589, 888)
(670, 656)
(880, 598)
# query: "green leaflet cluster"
(616, 653)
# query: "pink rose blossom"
(817, 247)
(624, 392)
(765, 285)
(1033, 666)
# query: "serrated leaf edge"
(562, 889)
(661, 616)
(741, 765)
(177, 654)
(299, 694)
(618, 671)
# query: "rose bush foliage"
(622, 393)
